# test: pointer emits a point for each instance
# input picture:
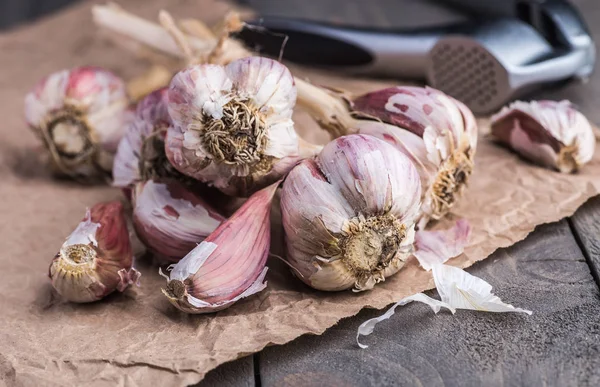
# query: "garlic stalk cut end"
(96, 258)
(229, 264)
(232, 125)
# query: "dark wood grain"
(586, 227)
(556, 346)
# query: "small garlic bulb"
(437, 132)
(349, 214)
(229, 264)
(170, 219)
(232, 125)
(96, 258)
(80, 115)
(549, 133)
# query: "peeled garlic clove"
(232, 125)
(229, 264)
(96, 258)
(170, 219)
(349, 214)
(436, 131)
(549, 133)
(80, 115)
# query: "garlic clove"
(96, 258)
(446, 130)
(229, 264)
(354, 165)
(549, 133)
(81, 115)
(340, 231)
(232, 125)
(170, 219)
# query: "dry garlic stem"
(81, 115)
(549, 133)
(349, 214)
(232, 126)
(330, 110)
(96, 258)
(229, 264)
(436, 131)
(170, 219)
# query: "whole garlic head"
(550, 133)
(436, 131)
(349, 213)
(80, 115)
(232, 125)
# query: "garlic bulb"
(80, 115)
(96, 258)
(437, 132)
(349, 214)
(232, 125)
(229, 264)
(170, 219)
(549, 133)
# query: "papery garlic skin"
(549, 133)
(170, 219)
(436, 131)
(229, 264)
(349, 214)
(80, 115)
(233, 124)
(96, 258)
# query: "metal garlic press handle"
(356, 50)
(558, 21)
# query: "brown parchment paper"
(137, 338)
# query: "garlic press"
(509, 49)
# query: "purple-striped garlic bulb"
(232, 125)
(349, 213)
(549, 133)
(81, 115)
(437, 132)
(229, 264)
(170, 219)
(96, 259)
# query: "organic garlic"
(349, 214)
(232, 125)
(437, 132)
(549, 133)
(96, 258)
(229, 264)
(170, 219)
(80, 115)
(141, 154)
